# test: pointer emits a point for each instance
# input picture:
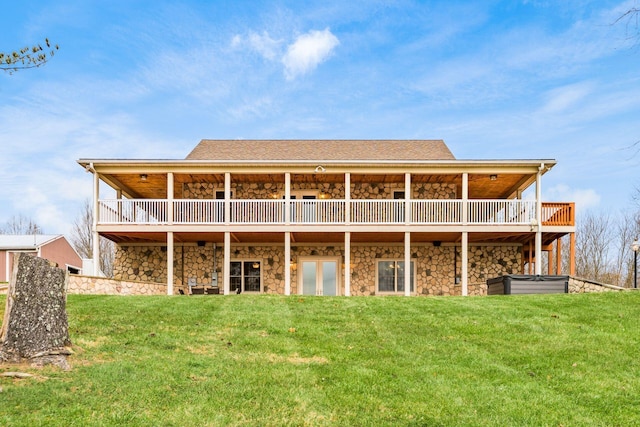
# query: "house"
(55, 248)
(328, 217)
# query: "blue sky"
(527, 79)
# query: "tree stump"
(35, 328)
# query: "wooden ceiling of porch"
(154, 185)
(328, 238)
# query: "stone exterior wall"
(435, 268)
(102, 286)
(141, 263)
(332, 190)
(579, 286)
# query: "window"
(246, 276)
(219, 194)
(398, 195)
(391, 275)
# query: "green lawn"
(556, 360)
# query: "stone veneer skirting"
(102, 286)
(579, 286)
(436, 267)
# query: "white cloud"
(584, 198)
(565, 97)
(308, 51)
(263, 44)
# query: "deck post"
(227, 200)
(170, 198)
(559, 256)
(169, 262)
(572, 254)
(287, 263)
(464, 265)
(407, 263)
(347, 198)
(347, 263)
(407, 198)
(226, 285)
(538, 257)
(287, 198)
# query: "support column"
(464, 268)
(119, 197)
(170, 198)
(169, 262)
(407, 198)
(226, 282)
(531, 257)
(287, 263)
(407, 264)
(538, 256)
(347, 263)
(227, 198)
(94, 228)
(559, 256)
(287, 198)
(572, 254)
(347, 198)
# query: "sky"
(528, 79)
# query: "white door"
(319, 277)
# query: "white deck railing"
(377, 211)
(317, 211)
(133, 211)
(513, 212)
(198, 211)
(257, 211)
(519, 212)
(436, 211)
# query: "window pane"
(329, 277)
(234, 283)
(252, 268)
(386, 276)
(309, 278)
(236, 269)
(252, 284)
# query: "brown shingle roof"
(327, 150)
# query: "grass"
(556, 360)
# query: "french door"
(319, 276)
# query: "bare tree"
(82, 240)
(20, 224)
(593, 237)
(626, 231)
(27, 57)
